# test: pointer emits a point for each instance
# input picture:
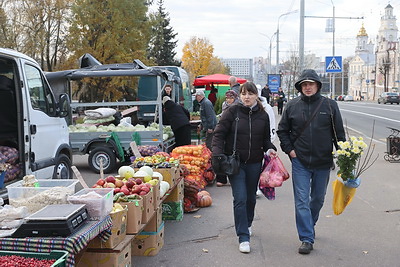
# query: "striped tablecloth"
(73, 244)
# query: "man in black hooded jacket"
(310, 126)
(178, 118)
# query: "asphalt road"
(361, 115)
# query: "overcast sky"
(241, 29)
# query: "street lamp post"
(277, 39)
(270, 53)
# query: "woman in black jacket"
(253, 139)
(178, 118)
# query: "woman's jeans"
(309, 188)
(244, 187)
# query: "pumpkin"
(203, 193)
(204, 200)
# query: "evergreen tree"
(162, 45)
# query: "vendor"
(178, 117)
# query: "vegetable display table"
(73, 243)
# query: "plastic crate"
(59, 255)
(19, 195)
(97, 207)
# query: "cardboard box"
(148, 207)
(177, 193)
(156, 195)
(135, 210)
(118, 231)
(172, 211)
(170, 175)
(148, 243)
(154, 224)
(117, 257)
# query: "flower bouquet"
(352, 163)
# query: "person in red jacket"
(212, 96)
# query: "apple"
(110, 179)
(97, 186)
(110, 185)
(136, 189)
(101, 182)
(117, 190)
(147, 178)
(119, 183)
(142, 193)
(145, 189)
(125, 191)
(131, 182)
(138, 181)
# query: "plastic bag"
(274, 174)
(342, 196)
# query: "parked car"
(389, 98)
(348, 98)
(339, 98)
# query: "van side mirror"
(64, 105)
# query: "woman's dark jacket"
(315, 145)
(176, 115)
(253, 134)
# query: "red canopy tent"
(215, 79)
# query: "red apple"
(142, 193)
(117, 190)
(119, 183)
(110, 179)
(101, 182)
(136, 189)
(145, 189)
(125, 191)
(138, 181)
(130, 183)
(97, 186)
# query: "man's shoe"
(305, 248)
(244, 247)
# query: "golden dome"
(362, 31)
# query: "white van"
(32, 121)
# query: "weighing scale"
(54, 220)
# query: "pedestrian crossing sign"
(333, 64)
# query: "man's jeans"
(309, 187)
(244, 187)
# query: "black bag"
(227, 164)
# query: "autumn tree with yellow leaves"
(198, 58)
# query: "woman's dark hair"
(251, 88)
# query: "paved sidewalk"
(367, 233)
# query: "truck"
(30, 115)
(181, 92)
(105, 149)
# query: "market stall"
(74, 243)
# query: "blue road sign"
(333, 64)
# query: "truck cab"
(32, 122)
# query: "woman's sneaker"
(244, 247)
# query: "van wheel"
(102, 153)
(63, 169)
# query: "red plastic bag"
(274, 174)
